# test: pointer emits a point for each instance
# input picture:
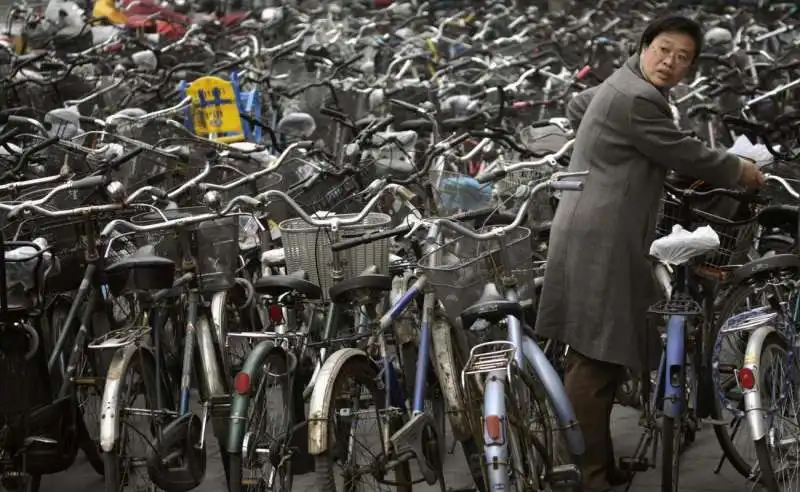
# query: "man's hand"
(751, 176)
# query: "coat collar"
(633, 66)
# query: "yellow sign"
(107, 9)
(214, 111)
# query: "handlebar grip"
(88, 182)
(43, 145)
(540, 124)
(567, 185)
(719, 90)
(369, 238)
(493, 175)
(5, 137)
(125, 158)
(331, 113)
(26, 154)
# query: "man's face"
(668, 58)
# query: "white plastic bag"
(759, 154)
(680, 245)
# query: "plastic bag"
(21, 271)
(680, 245)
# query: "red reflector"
(241, 383)
(275, 313)
(583, 72)
(747, 380)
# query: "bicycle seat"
(778, 216)
(141, 271)
(368, 285)
(297, 124)
(277, 285)
(491, 307)
(764, 266)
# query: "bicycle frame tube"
(188, 351)
(84, 291)
(675, 361)
(418, 405)
(78, 347)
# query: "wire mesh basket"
(66, 237)
(464, 266)
(214, 245)
(308, 248)
(735, 241)
(330, 193)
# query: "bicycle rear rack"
(489, 357)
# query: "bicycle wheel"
(777, 383)
(88, 388)
(268, 430)
(727, 410)
(355, 400)
(536, 443)
(139, 422)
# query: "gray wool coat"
(598, 283)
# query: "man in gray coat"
(598, 283)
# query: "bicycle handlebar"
(553, 183)
(259, 201)
(501, 170)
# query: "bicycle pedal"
(634, 464)
(409, 439)
(563, 477)
(489, 357)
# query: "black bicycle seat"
(277, 285)
(491, 307)
(778, 215)
(368, 284)
(141, 271)
(765, 266)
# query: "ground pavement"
(696, 468)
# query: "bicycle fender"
(240, 402)
(555, 391)
(319, 405)
(752, 397)
(206, 341)
(449, 379)
(109, 414)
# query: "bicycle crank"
(415, 438)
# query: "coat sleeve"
(655, 135)
(577, 106)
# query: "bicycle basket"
(67, 238)
(330, 194)
(214, 244)
(308, 248)
(464, 266)
(735, 241)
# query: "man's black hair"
(674, 23)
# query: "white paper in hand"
(743, 147)
(680, 245)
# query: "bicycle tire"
(728, 304)
(143, 366)
(767, 471)
(239, 462)
(366, 374)
(87, 443)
